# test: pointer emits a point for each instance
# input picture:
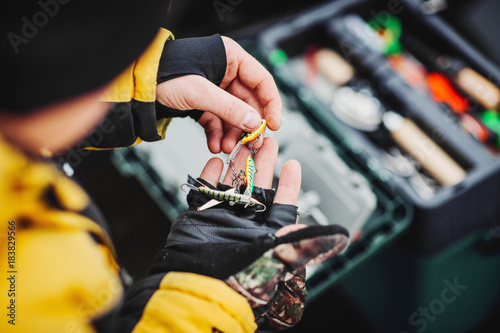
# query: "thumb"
(196, 92)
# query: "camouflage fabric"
(259, 284)
(284, 265)
(258, 281)
(287, 309)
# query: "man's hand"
(246, 94)
(261, 255)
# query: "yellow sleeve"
(133, 94)
(187, 302)
(138, 81)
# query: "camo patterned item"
(287, 309)
(283, 266)
(258, 282)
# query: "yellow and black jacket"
(58, 267)
(136, 116)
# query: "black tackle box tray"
(453, 211)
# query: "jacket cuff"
(133, 117)
(205, 56)
(187, 302)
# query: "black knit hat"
(51, 50)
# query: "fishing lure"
(249, 176)
(233, 195)
(229, 196)
(246, 138)
(246, 177)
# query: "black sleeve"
(127, 121)
(205, 56)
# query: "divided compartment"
(452, 211)
(412, 245)
(370, 69)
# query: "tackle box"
(429, 263)
(466, 206)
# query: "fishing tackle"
(249, 176)
(246, 177)
(246, 138)
(229, 196)
(232, 196)
(238, 180)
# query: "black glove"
(250, 251)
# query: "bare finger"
(265, 162)
(212, 171)
(233, 134)
(214, 131)
(289, 184)
(238, 89)
(183, 93)
(253, 75)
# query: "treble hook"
(246, 138)
(192, 187)
(254, 151)
(261, 210)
